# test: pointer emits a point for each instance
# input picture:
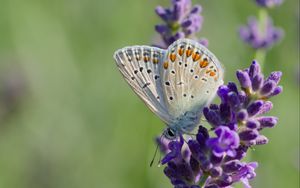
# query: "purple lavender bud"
(225, 111)
(232, 86)
(202, 135)
(195, 148)
(254, 69)
(232, 166)
(216, 171)
(268, 88)
(252, 124)
(277, 91)
(187, 23)
(275, 76)
(233, 100)
(255, 107)
(243, 78)
(213, 118)
(248, 134)
(257, 82)
(266, 107)
(161, 12)
(243, 97)
(214, 107)
(161, 29)
(224, 180)
(223, 92)
(269, 3)
(267, 121)
(242, 115)
(197, 9)
(261, 140)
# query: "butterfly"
(176, 84)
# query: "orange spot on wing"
(172, 57)
(155, 60)
(181, 51)
(166, 64)
(203, 63)
(188, 53)
(146, 59)
(212, 73)
(196, 56)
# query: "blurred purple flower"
(182, 20)
(269, 3)
(260, 35)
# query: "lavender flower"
(182, 20)
(259, 35)
(215, 161)
(269, 3)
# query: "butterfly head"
(171, 133)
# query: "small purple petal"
(268, 88)
(252, 124)
(232, 166)
(275, 76)
(267, 121)
(266, 107)
(242, 115)
(255, 107)
(248, 135)
(254, 69)
(243, 78)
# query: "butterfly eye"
(171, 133)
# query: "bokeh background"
(67, 117)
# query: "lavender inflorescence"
(268, 3)
(182, 20)
(215, 161)
(260, 37)
(260, 33)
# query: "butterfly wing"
(140, 66)
(190, 75)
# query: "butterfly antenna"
(151, 163)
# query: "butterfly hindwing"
(140, 66)
(190, 75)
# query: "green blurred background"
(67, 117)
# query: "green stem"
(260, 54)
(203, 179)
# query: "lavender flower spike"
(269, 3)
(260, 38)
(182, 20)
(216, 162)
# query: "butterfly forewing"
(190, 75)
(140, 66)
